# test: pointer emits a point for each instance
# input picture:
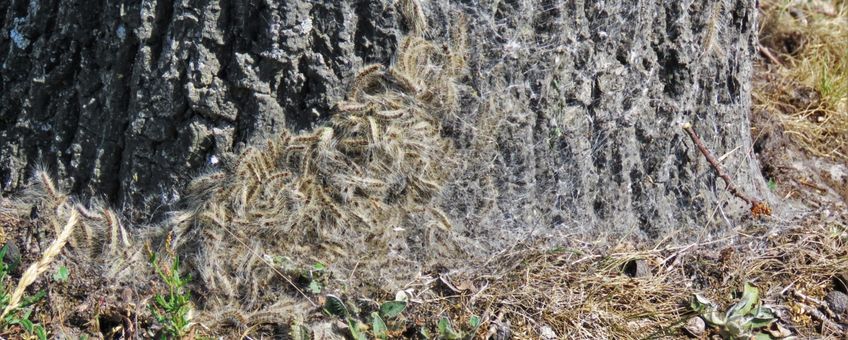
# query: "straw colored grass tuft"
(807, 85)
(580, 290)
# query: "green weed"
(19, 316)
(61, 274)
(772, 185)
(172, 310)
(382, 325)
(747, 319)
(447, 331)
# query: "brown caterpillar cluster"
(339, 191)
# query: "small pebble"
(840, 282)
(837, 302)
(547, 333)
(637, 268)
(695, 326)
(13, 255)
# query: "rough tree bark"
(575, 123)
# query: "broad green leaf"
(392, 309)
(335, 306)
(444, 326)
(355, 331)
(760, 323)
(763, 317)
(707, 310)
(713, 317)
(762, 336)
(750, 298)
(736, 329)
(10, 320)
(764, 313)
(379, 327)
(318, 266)
(699, 303)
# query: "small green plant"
(61, 274)
(31, 329)
(314, 276)
(747, 319)
(173, 309)
(20, 315)
(447, 332)
(772, 185)
(381, 320)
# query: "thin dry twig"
(758, 207)
(818, 315)
(766, 52)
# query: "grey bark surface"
(574, 124)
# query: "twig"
(352, 272)
(478, 293)
(676, 256)
(767, 53)
(817, 188)
(817, 302)
(716, 166)
(757, 207)
(818, 315)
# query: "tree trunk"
(573, 124)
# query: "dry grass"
(580, 291)
(806, 85)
